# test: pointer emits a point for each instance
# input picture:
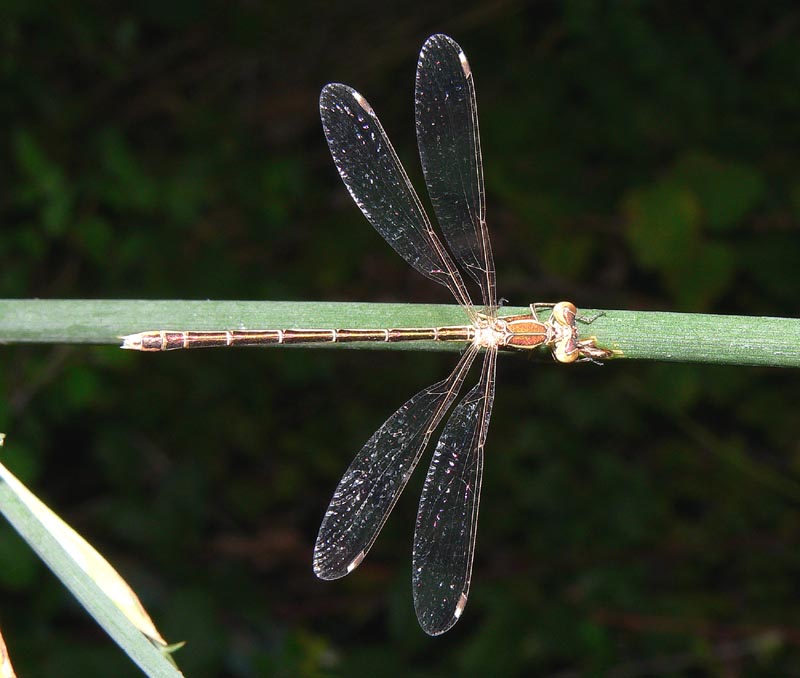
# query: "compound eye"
(564, 313)
(567, 350)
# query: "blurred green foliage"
(641, 519)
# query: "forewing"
(376, 180)
(450, 150)
(444, 539)
(371, 486)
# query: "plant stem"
(639, 335)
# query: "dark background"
(637, 519)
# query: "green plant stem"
(639, 335)
(28, 522)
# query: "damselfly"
(449, 147)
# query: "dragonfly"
(450, 151)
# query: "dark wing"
(371, 486)
(376, 180)
(444, 539)
(450, 150)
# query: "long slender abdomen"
(169, 340)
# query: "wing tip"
(336, 92)
(325, 573)
(361, 101)
(327, 570)
(356, 562)
(440, 38)
(333, 90)
(434, 626)
(465, 65)
(460, 605)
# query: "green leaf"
(662, 220)
(639, 335)
(46, 188)
(95, 237)
(725, 191)
(700, 275)
(126, 184)
(567, 256)
(89, 577)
